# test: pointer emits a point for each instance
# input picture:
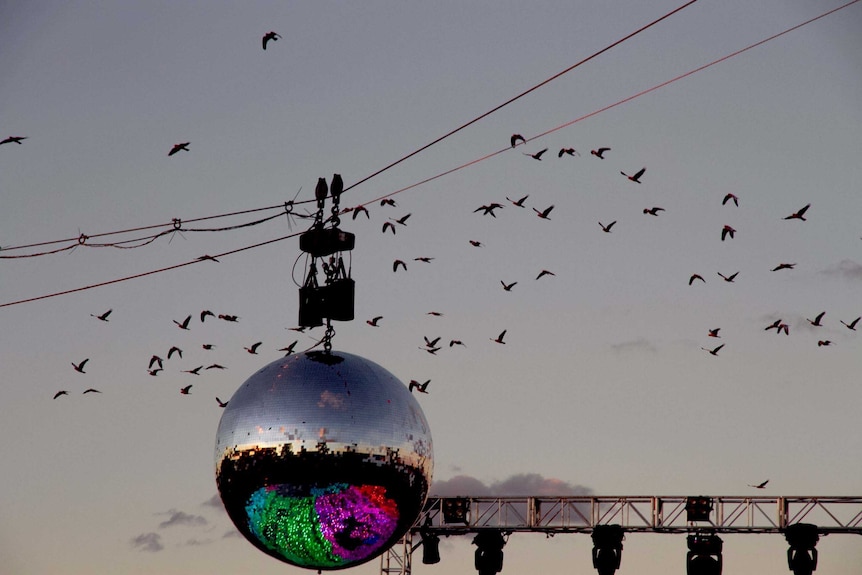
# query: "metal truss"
(635, 514)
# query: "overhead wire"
(440, 175)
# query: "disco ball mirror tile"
(323, 460)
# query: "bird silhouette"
(544, 213)
(728, 197)
(185, 390)
(61, 392)
(221, 403)
(388, 202)
(518, 202)
(215, 366)
(269, 36)
(389, 225)
(431, 350)
(570, 151)
(823, 342)
(434, 313)
(253, 348)
(430, 342)
(713, 351)
(727, 231)
(155, 359)
(402, 220)
(695, 277)
(456, 342)
(774, 325)
(359, 209)
(537, 155)
(289, 349)
(178, 147)
(230, 318)
(91, 390)
(513, 140)
(508, 287)
(476, 244)
(13, 140)
(397, 263)
(208, 257)
(420, 387)
(205, 313)
(374, 321)
(729, 278)
(174, 350)
(154, 372)
(488, 209)
(79, 367)
(637, 177)
(852, 324)
(607, 228)
(545, 273)
(600, 153)
(800, 214)
(783, 327)
(714, 332)
(183, 324)
(499, 338)
(208, 346)
(104, 316)
(195, 371)
(817, 319)
(423, 259)
(783, 267)
(653, 211)
(759, 485)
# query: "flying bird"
(653, 211)
(783, 267)
(488, 209)
(423, 259)
(253, 348)
(799, 215)
(388, 202)
(402, 220)
(607, 228)
(851, 325)
(289, 349)
(434, 313)
(195, 371)
(570, 151)
(544, 213)
(205, 313)
(783, 327)
(456, 342)
(537, 155)
(104, 316)
(155, 359)
(230, 318)
(730, 197)
(61, 392)
(713, 351)
(519, 202)
(637, 177)
(13, 140)
(269, 36)
(430, 342)
(714, 332)
(185, 390)
(79, 367)
(545, 273)
(823, 342)
(514, 139)
(183, 324)
(178, 147)
(600, 153)
(208, 346)
(729, 278)
(154, 372)
(695, 277)
(759, 485)
(727, 231)
(420, 387)
(476, 244)
(221, 403)
(215, 366)
(508, 287)
(389, 225)
(174, 350)
(362, 209)
(91, 390)
(431, 350)
(396, 263)
(373, 321)
(817, 320)
(500, 337)
(774, 325)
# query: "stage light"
(488, 559)
(704, 554)
(802, 555)
(698, 508)
(607, 548)
(456, 510)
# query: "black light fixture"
(456, 510)
(802, 555)
(698, 508)
(704, 554)
(489, 544)
(607, 548)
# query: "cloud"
(847, 269)
(640, 344)
(182, 518)
(148, 542)
(231, 533)
(514, 485)
(214, 502)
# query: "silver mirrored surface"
(323, 460)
